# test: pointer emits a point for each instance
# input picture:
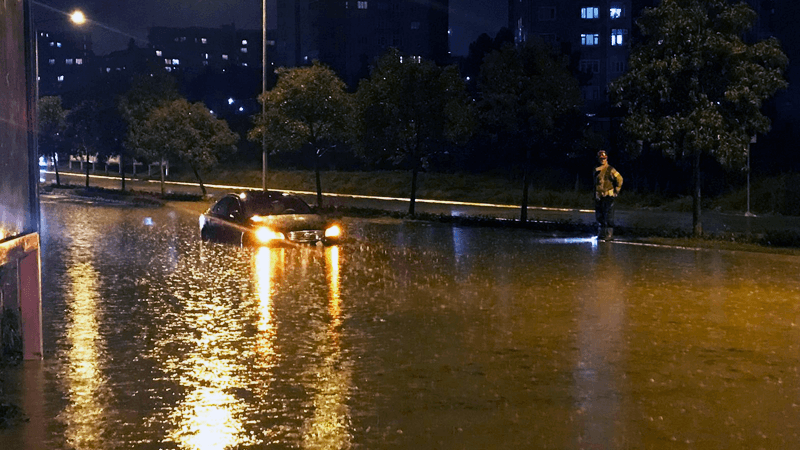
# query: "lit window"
(244, 41)
(168, 69)
(618, 36)
(589, 66)
(69, 61)
(203, 41)
(244, 64)
(52, 62)
(415, 25)
(547, 13)
(205, 63)
(61, 78)
(58, 44)
(243, 49)
(166, 61)
(176, 62)
(159, 53)
(224, 57)
(590, 13)
(108, 69)
(205, 55)
(617, 10)
(363, 5)
(590, 39)
(79, 61)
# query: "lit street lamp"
(77, 17)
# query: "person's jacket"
(607, 181)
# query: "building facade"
(65, 60)
(190, 50)
(349, 35)
(595, 32)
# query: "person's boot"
(609, 235)
(601, 233)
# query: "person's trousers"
(604, 211)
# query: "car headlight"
(264, 235)
(333, 231)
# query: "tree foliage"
(147, 93)
(695, 86)
(308, 107)
(409, 109)
(186, 132)
(528, 94)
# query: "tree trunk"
(55, 165)
(697, 223)
(161, 170)
(86, 153)
(317, 179)
(414, 176)
(199, 180)
(526, 182)
(122, 171)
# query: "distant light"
(468, 78)
(148, 221)
(78, 17)
(230, 101)
(211, 111)
(241, 108)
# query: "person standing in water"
(607, 183)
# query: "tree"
(187, 132)
(696, 87)
(84, 131)
(52, 124)
(409, 108)
(307, 106)
(147, 93)
(528, 92)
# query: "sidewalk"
(714, 223)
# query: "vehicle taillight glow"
(265, 235)
(333, 231)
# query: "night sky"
(117, 21)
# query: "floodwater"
(408, 336)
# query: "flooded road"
(408, 336)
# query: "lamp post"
(264, 162)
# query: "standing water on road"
(409, 335)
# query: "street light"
(77, 17)
(264, 163)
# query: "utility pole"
(264, 162)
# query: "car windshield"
(265, 206)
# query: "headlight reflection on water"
(330, 425)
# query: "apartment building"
(349, 35)
(597, 32)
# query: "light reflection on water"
(329, 428)
(410, 336)
(85, 414)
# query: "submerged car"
(266, 218)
